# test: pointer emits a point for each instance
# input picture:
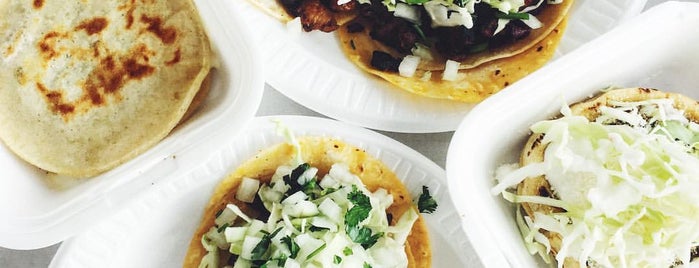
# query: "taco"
(601, 186)
(88, 85)
(301, 205)
(463, 50)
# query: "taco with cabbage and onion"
(611, 183)
(317, 202)
(463, 50)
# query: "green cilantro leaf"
(363, 236)
(426, 204)
(293, 247)
(337, 259)
(293, 179)
(261, 248)
(366, 265)
(347, 251)
(360, 210)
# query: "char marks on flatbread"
(321, 153)
(90, 84)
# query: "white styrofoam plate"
(311, 69)
(34, 215)
(655, 50)
(155, 229)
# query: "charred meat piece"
(316, 16)
(514, 31)
(355, 27)
(346, 7)
(291, 6)
(394, 32)
(384, 62)
(454, 42)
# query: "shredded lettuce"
(627, 184)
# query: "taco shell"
(534, 150)
(321, 153)
(471, 85)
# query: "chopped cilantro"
(261, 248)
(366, 265)
(360, 210)
(426, 204)
(363, 236)
(311, 189)
(347, 251)
(337, 259)
(512, 16)
(293, 179)
(315, 252)
(293, 247)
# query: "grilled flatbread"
(534, 150)
(89, 85)
(321, 153)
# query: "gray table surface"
(433, 146)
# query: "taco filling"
(312, 203)
(443, 30)
(611, 183)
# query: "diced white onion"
(426, 76)
(249, 244)
(295, 198)
(247, 190)
(422, 51)
(234, 234)
(501, 25)
(408, 12)
(328, 182)
(342, 2)
(408, 65)
(227, 216)
(302, 208)
(242, 263)
(330, 209)
(533, 22)
(451, 70)
(238, 212)
(324, 222)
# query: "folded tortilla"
(321, 153)
(472, 84)
(89, 85)
(534, 150)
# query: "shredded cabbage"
(628, 184)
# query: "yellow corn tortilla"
(534, 150)
(471, 85)
(88, 85)
(321, 153)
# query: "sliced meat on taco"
(605, 184)
(468, 85)
(331, 206)
(88, 85)
(323, 15)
